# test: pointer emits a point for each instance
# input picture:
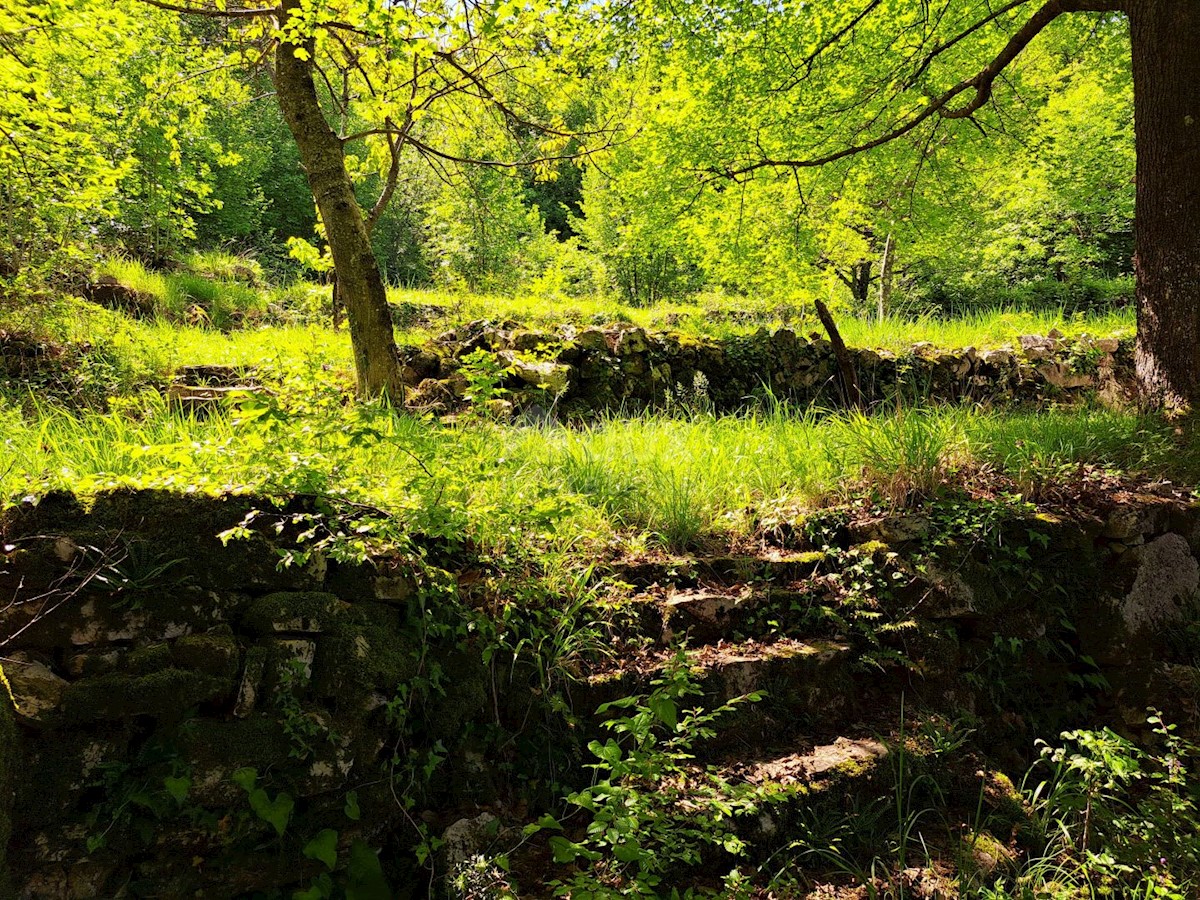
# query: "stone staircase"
(198, 390)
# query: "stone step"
(801, 681)
(710, 614)
(216, 376)
(689, 571)
(201, 399)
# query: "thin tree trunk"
(1166, 78)
(885, 278)
(847, 376)
(359, 284)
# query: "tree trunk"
(860, 283)
(885, 277)
(359, 284)
(1166, 80)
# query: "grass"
(218, 290)
(651, 480)
(718, 317)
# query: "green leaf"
(320, 889)
(245, 778)
(366, 879)
(323, 848)
(351, 809)
(664, 710)
(564, 851)
(628, 852)
(275, 813)
(177, 787)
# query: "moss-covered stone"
(166, 694)
(148, 660)
(213, 654)
(10, 762)
(216, 749)
(355, 658)
(286, 612)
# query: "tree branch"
(980, 84)
(213, 12)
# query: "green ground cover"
(206, 315)
(658, 480)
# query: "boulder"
(35, 690)
(547, 375)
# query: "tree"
(395, 78)
(817, 84)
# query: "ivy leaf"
(245, 778)
(177, 787)
(366, 879)
(323, 848)
(351, 809)
(275, 813)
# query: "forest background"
(136, 132)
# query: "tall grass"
(719, 317)
(678, 483)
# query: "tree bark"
(885, 277)
(847, 375)
(359, 283)
(1166, 79)
(860, 283)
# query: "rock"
(65, 549)
(1167, 575)
(108, 292)
(200, 400)
(165, 694)
(592, 340)
(431, 395)
(1062, 377)
(550, 376)
(1037, 347)
(704, 614)
(298, 655)
(468, 838)
(499, 409)
(1128, 523)
(845, 756)
(891, 529)
(215, 375)
(983, 854)
(36, 691)
(417, 365)
(1108, 345)
(998, 358)
(213, 654)
(394, 588)
(529, 341)
(632, 341)
(294, 612)
(251, 684)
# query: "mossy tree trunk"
(359, 282)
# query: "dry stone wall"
(592, 370)
(190, 719)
